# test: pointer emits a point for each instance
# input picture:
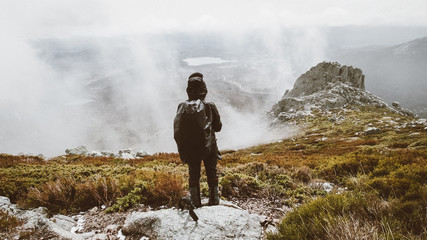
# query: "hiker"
(195, 125)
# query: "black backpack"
(193, 129)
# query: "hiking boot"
(213, 196)
(195, 196)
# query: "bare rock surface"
(215, 222)
(36, 220)
(323, 74)
(226, 221)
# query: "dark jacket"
(202, 143)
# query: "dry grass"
(105, 190)
(7, 160)
(168, 189)
(57, 196)
(8, 222)
(351, 227)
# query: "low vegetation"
(8, 222)
(379, 178)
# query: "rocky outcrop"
(58, 226)
(37, 224)
(226, 221)
(123, 153)
(215, 222)
(325, 75)
(327, 86)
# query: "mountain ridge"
(394, 73)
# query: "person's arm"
(216, 119)
(177, 132)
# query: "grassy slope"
(385, 174)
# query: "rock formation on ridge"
(327, 86)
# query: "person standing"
(195, 125)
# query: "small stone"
(395, 104)
(93, 210)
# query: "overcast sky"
(53, 18)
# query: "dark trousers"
(194, 168)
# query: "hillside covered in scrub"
(356, 170)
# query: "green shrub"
(303, 174)
(312, 220)
(239, 185)
(140, 194)
(104, 190)
(354, 214)
(164, 189)
(339, 167)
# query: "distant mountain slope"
(397, 73)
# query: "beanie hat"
(196, 88)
